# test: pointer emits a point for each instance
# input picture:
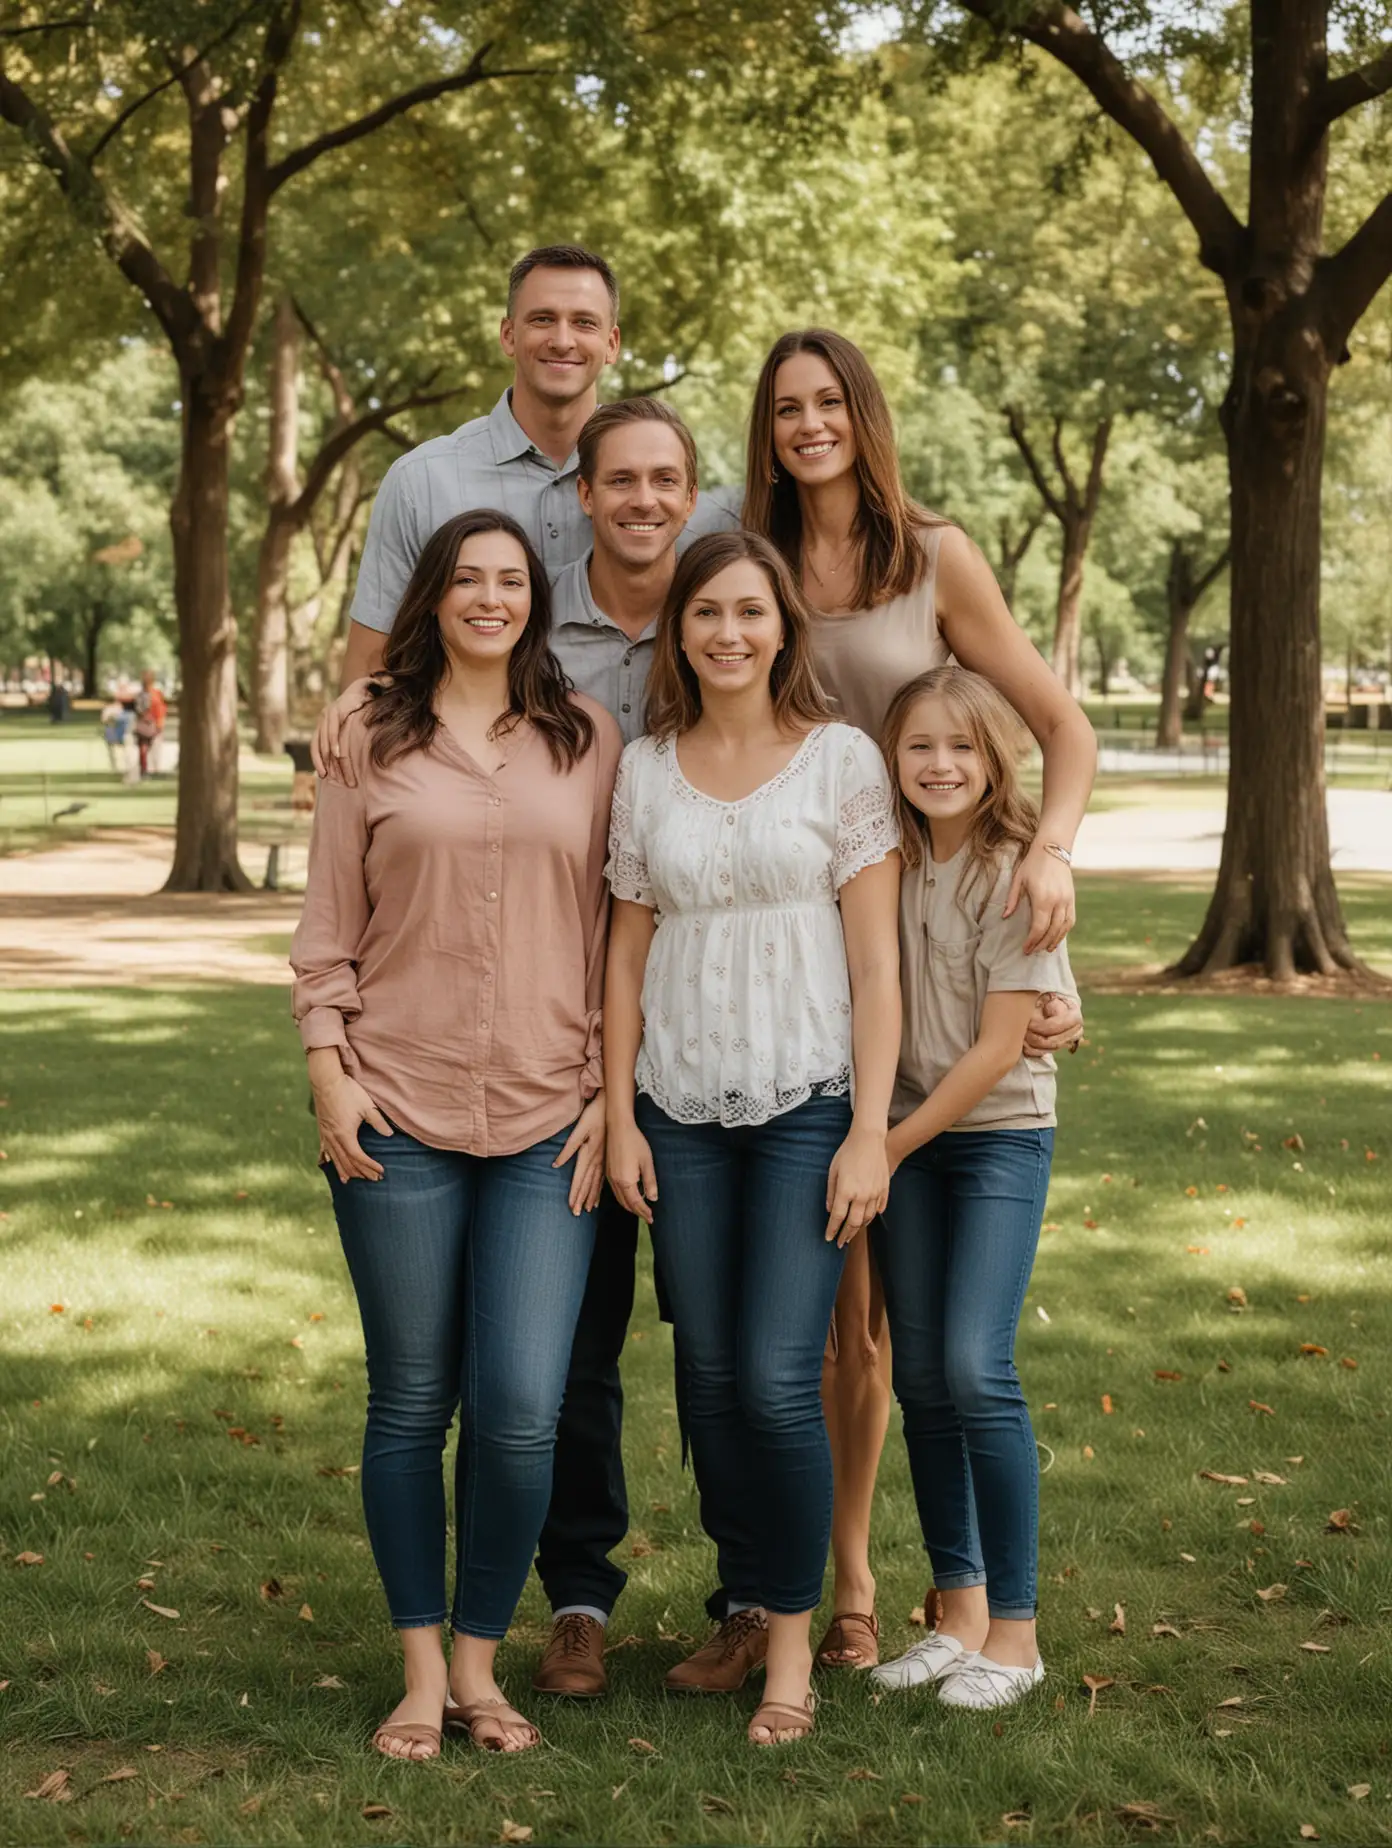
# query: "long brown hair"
(674, 692)
(889, 525)
(1006, 819)
(402, 716)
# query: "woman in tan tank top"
(896, 590)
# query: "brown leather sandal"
(851, 1641)
(410, 1732)
(462, 1717)
(776, 1718)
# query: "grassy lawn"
(181, 1404)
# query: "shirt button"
(488, 978)
(625, 706)
(553, 532)
(730, 820)
(729, 901)
(493, 848)
(492, 895)
(497, 801)
(628, 657)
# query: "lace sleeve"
(866, 829)
(627, 869)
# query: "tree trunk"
(270, 690)
(1068, 633)
(205, 838)
(1275, 903)
(91, 635)
(1169, 732)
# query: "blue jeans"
(469, 1274)
(955, 1247)
(738, 1238)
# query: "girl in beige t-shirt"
(969, 1153)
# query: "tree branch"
(176, 76)
(125, 243)
(1101, 436)
(338, 445)
(1353, 275)
(1214, 571)
(474, 72)
(1070, 487)
(1340, 94)
(281, 32)
(1056, 28)
(1015, 424)
(52, 25)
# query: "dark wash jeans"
(469, 1275)
(955, 1248)
(588, 1516)
(739, 1240)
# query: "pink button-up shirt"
(453, 934)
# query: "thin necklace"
(831, 569)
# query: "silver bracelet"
(1059, 853)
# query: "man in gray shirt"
(560, 331)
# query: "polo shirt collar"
(590, 614)
(511, 442)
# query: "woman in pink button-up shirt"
(450, 968)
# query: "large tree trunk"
(91, 637)
(270, 695)
(1169, 730)
(205, 838)
(1068, 620)
(1275, 902)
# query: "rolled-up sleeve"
(324, 950)
(608, 747)
(390, 552)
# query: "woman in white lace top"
(751, 1036)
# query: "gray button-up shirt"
(488, 462)
(595, 652)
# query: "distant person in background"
(150, 714)
(115, 724)
(59, 703)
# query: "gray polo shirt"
(596, 653)
(488, 462)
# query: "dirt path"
(92, 914)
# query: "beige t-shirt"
(952, 957)
(863, 657)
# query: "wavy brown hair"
(402, 716)
(1006, 820)
(889, 525)
(674, 692)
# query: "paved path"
(1191, 840)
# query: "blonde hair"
(674, 692)
(1006, 819)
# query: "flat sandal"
(774, 1716)
(410, 1732)
(853, 1634)
(469, 1716)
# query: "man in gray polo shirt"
(560, 331)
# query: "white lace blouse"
(746, 997)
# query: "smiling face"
(939, 768)
(641, 495)
(485, 609)
(732, 630)
(561, 333)
(812, 436)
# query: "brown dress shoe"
(726, 1661)
(574, 1660)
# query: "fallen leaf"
(910, 1796)
(119, 1777)
(272, 1588)
(717, 1806)
(1233, 1700)
(1296, 1144)
(306, 1614)
(1094, 1685)
(1188, 1558)
(1237, 1296)
(1359, 1791)
(1256, 1527)
(1117, 1627)
(1257, 1405)
(1308, 1832)
(862, 1776)
(1192, 1192)
(374, 1812)
(1166, 1373)
(1147, 1815)
(251, 1807)
(1348, 1361)
(155, 1662)
(54, 1788)
(643, 1745)
(297, 1341)
(328, 1681)
(1295, 1462)
(1016, 1819)
(1089, 1452)
(29, 1559)
(1107, 1405)
(1214, 1475)
(514, 1831)
(1267, 1476)
(1271, 1594)
(1313, 1348)
(160, 1610)
(1163, 1629)
(145, 1584)
(1239, 1223)
(918, 1616)
(1316, 1648)
(1341, 1521)
(1224, 1366)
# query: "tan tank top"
(864, 656)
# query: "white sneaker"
(981, 1683)
(930, 1659)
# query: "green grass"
(159, 1186)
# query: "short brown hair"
(562, 256)
(674, 692)
(888, 524)
(628, 411)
